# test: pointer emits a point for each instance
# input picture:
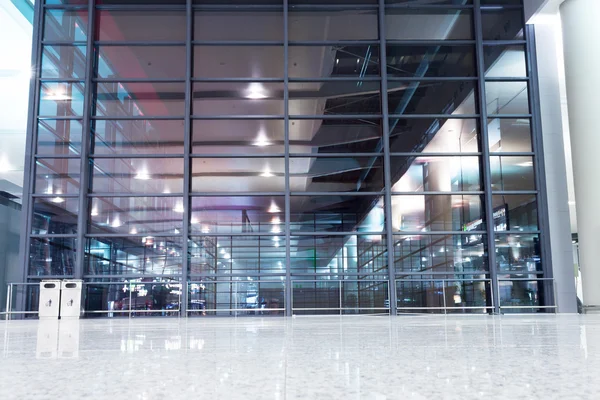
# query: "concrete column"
(581, 30)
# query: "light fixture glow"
(133, 231)
(266, 173)
(179, 208)
(276, 220)
(262, 140)
(58, 200)
(142, 175)
(205, 229)
(57, 95)
(276, 229)
(273, 208)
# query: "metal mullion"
(237, 117)
(337, 79)
(511, 153)
(408, 273)
(235, 7)
(432, 79)
(334, 155)
(51, 196)
(187, 164)
(61, 80)
(264, 43)
(509, 116)
(110, 194)
(409, 6)
(55, 156)
(286, 129)
(539, 162)
(123, 277)
(234, 155)
(435, 193)
(389, 230)
(485, 147)
(138, 80)
(333, 7)
(517, 232)
(141, 7)
(505, 42)
(438, 233)
(52, 235)
(144, 118)
(234, 79)
(46, 43)
(172, 43)
(235, 194)
(449, 154)
(336, 233)
(432, 42)
(337, 116)
(336, 193)
(434, 116)
(326, 43)
(64, 7)
(507, 79)
(508, 192)
(234, 234)
(60, 118)
(129, 235)
(125, 155)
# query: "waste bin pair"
(60, 299)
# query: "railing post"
(444, 295)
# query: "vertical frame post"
(84, 176)
(286, 129)
(485, 154)
(389, 231)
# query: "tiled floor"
(421, 357)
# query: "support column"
(581, 28)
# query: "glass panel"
(336, 213)
(504, 61)
(518, 254)
(237, 255)
(335, 136)
(59, 137)
(152, 215)
(428, 24)
(517, 296)
(139, 175)
(444, 97)
(430, 60)
(365, 297)
(138, 137)
(133, 255)
(512, 173)
(502, 23)
(331, 2)
(238, 61)
(519, 212)
(60, 99)
(139, 99)
(72, 2)
(143, 25)
(238, 175)
(336, 174)
(322, 297)
(141, 62)
(67, 25)
(509, 135)
(236, 297)
(333, 24)
(237, 98)
(237, 214)
(464, 254)
(252, 136)
(236, 24)
(333, 61)
(63, 62)
(434, 135)
(57, 215)
(335, 97)
(57, 176)
(135, 295)
(321, 255)
(435, 174)
(507, 97)
(52, 256)
(415, 213)
(444, 293)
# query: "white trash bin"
(49, 304)
(70, 299)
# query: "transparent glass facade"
(278, 157)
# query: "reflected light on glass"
(267, 173)
(142, 175)
(58, 200)
(262, 140)
(273, 208)
(179, 208)
(56, 95)
(256, 92)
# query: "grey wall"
(10, 225)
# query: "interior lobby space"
(362, 357)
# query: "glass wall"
(277, 157)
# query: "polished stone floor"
(417, 357)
